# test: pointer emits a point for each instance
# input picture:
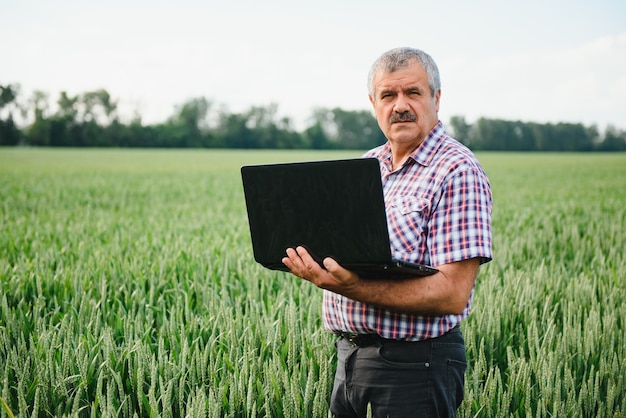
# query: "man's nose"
(402, 104)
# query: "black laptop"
(332, 208)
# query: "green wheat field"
(128, 289)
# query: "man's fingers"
(334, 268)
(328, 275)
(331, 265)
(308, 263)
(300, 262)
(304, 255)
(292, 261)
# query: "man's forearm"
(445, 292)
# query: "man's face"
(405, 109)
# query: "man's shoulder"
(377, 152)
(456, 156)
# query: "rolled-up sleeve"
(460, 226)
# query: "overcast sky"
(542, 61)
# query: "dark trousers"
(399, 379)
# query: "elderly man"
(400, 350)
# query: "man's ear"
(371, 100)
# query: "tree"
(358, 129)
(97, 106)
(189, 127)
(234, 131)
(461, 129)
(484, 135)
(614, 140)
(91, 119)
(267, 130)
(9, 132)
(315, 137)
(63, 122)
(571, 137)
(38, 133)
(347, 129)
(502, 135)
(67, 107)
(8, 94)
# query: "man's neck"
(400, 153)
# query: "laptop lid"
(333, 208)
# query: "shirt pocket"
(408, 226)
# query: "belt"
(366, 340)
(362, 340)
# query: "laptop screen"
(333, 208)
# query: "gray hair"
(398, 58)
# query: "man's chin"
(404, 134)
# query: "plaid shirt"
(438, 211)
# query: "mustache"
(402, 117)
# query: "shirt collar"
(424, 153)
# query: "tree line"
(91, 119)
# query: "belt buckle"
(353, 338)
